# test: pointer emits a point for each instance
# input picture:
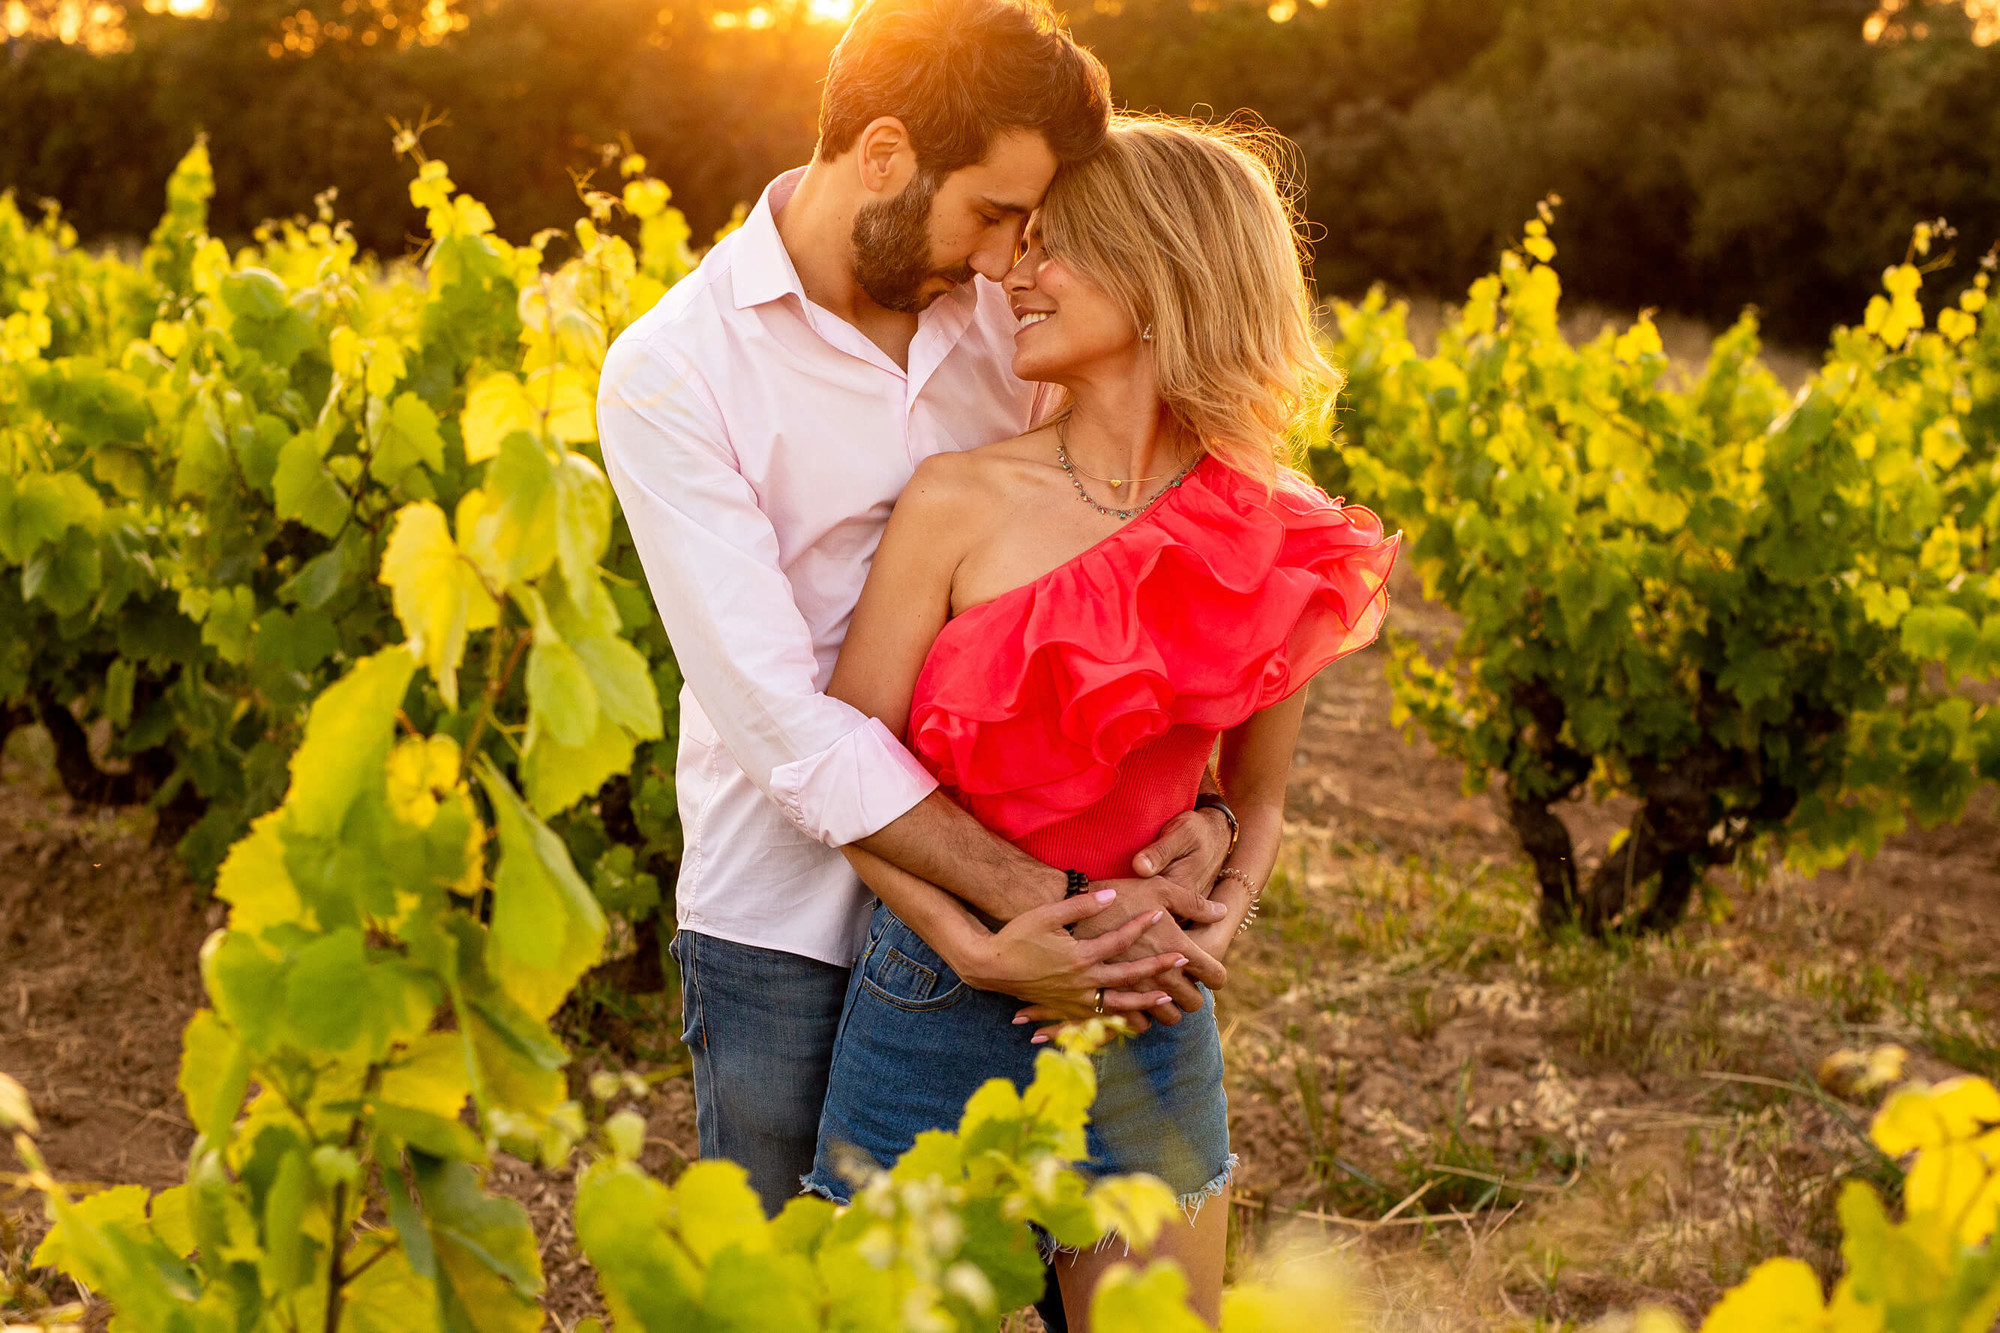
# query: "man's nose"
(994, 259)
(992, 262)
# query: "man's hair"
(957, 72)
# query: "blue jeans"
(916, 1042)
(760, 1024)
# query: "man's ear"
(884, 157)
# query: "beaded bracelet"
(1256, 893)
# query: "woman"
(1064, 624)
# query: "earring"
(1147, 336)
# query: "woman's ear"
(884, 157)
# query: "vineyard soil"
(1398, 1036)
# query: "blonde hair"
(1193, 230)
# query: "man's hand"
(1189, 851)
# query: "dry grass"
(1563, 1130)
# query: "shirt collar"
(763, 269)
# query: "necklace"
(1124, 515)
(1117, 482)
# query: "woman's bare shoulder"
(960, 484)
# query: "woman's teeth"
(1033, 317)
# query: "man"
(758, 424)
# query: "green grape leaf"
(1779, 1296)
(558, 775)
(717, 1208)
(119, 679)
(215, 1071)
(226, 626)
(305, 490)
(623, 683)
(326, 987)
(204, 465)
(244, 983)
(489, 1268)
(346, 743)
(38, 509)
(389, 1295)
(583, 521)
(508, 526)
(622, 1221)
(431, 1076)
(317, 580)
(66, 574)
(410, 436)
(255, 883)
(289, 1251)
(433, 1134)
(765, 1293)
(105, 1242)
(496, 407)
(258, 448)
(562, 397)
(561, 698)
(436, 592)
(1148, 1300)
(547, 928)
(171, 1222)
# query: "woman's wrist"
(970, 955)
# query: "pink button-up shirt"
(757, 443)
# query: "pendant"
(1117, 482)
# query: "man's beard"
(892, 248)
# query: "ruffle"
(1219, 601)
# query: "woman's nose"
(1022, 276)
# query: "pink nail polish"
(1019, 1021)
(1038, 1039)
(1106, 895)
(1162, 999)
(1159, 914)
(1180, 962)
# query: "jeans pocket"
(903, 970)
(682, 949)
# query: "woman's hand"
(1035, 959)
(1213, 940)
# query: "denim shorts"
(916, 1042)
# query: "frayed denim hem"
(1191, 1205)
(807, 1185)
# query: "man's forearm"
(938, 841)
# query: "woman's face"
(1067, 325)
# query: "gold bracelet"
(1256, 894)
(1237, 872)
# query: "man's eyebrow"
(999, 206)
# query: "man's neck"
(816, 227)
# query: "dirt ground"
(1488, 1129)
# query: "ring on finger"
(1098, 1007)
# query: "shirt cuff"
(857, 786)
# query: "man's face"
(938, 232)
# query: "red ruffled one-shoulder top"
(1074, 715)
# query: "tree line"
(1711, 153)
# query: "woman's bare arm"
(1256, 765)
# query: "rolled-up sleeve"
(712, 560)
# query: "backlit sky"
(99, 24)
